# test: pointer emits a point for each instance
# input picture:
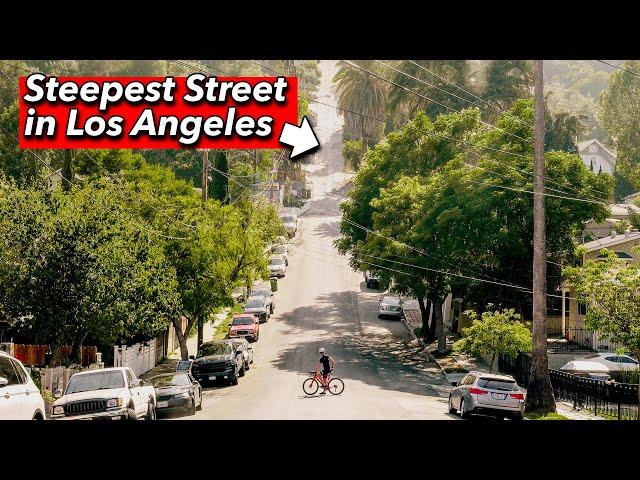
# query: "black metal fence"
(518, 367)
(616, 400)
(577, 339)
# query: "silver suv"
(487, 394)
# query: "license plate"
(499, 396)
(163, 404)
(212, 378)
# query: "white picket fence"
(140, 357)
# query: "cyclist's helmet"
(321, 350)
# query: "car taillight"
(478, 391)
(518, 396)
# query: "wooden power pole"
(539, 391)
(205, 194)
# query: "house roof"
(586, 143)
(622, 209)
(607, 242)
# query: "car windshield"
(171, 380)
(255, 302)
(275, 261)
(214, 349)
(279, 249)
(262, 293)
(95, 381)
(242, 321)
(497, 384)
(288, 219)
(391, 301)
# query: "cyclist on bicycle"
(327, 363)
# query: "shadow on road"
(381, 360)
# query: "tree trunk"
(424, 315)
(442, 338)
(200, 331)
(182, 336)
(432, 324)
(493, 357)
(76, 348)
(67, 171)
(539, 391)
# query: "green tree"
(353, 151)
(494, 333)
(610, 288)
(508, 81)
(219, 185)
(363, 93)
(619, 105)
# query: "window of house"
(582, 309)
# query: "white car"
(390, 306)
(108, 394)
(20, 398)
(583, 367)
(614, 362)
(277, 266)
(282, 250)
(290, 222)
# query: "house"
(630, 199)
(573, 313)
(597, 157)
(618, 212)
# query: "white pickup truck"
(109, 394)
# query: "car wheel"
(516, 417)
(131, 414)
(241, 372)
(233, 380)
(247, 366)
(151, 411)
(192, 408)
(199, 407)
(452, 409)
(463, 411)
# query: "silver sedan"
(389, 306)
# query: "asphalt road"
(323, 303)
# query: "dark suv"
(218, 360)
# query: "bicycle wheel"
(310, 386)
(336, 386)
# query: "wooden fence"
(140, 357)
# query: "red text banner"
(198, 111)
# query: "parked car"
(105, 394)
(373, 281)
(217, 360)
(245, 325)
(258, 306)
(390, 306)
(488, 394)
(281, 250)
(261, 290)
(290, 221)
(20, 398)
(246, 349)
(277, 266)
(614, 362)
(584, 367)
(177, 391)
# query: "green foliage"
(619, 105)
(219, 184)
(353, 151)
(508, 81)
(610, 288)
(495, 333)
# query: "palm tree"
(364, 94)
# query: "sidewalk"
(170, 363)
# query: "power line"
(431, 100)
(620, 68)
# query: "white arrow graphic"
(301, 138)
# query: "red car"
(245, 325)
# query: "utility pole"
(205, 194)
(255, 169)
(539, 391)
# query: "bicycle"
(311, 385)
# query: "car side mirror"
(3, 382)
(135, 383)
(58, 393)
(192, 357)
(455, 384)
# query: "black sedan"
(177, 392)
